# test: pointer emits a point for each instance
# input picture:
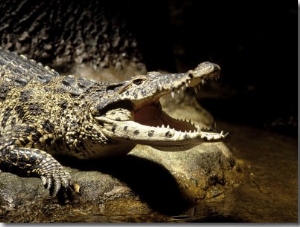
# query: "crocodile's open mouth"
(151, 113)
(154, 116)
(141, 119)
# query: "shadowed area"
(149, 180)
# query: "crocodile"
(44, 114)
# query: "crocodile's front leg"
(31, 161)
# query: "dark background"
(254, 42)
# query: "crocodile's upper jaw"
(144, 122)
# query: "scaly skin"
(44, 114)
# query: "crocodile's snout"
(145, 122)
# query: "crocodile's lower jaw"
(152, 126)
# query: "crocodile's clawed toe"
(56, 182)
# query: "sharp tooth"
(203, 81)
(159, 87)
(195, 90)
(215, 125)
(168, 126)
(182, 88)
(173, 94)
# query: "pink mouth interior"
(153, 115)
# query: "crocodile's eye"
(138, 81)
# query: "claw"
(49, 183)
(54, 178)
(56, 186)
(44, 180)
(66, 181)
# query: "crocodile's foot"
(34, 162)
(52, 174)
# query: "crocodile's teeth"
(195, 90)
(159, 87)
(225, 134)
(173, 94)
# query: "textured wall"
(64, 33)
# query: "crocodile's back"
(18, 71)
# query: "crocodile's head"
(133, 114)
